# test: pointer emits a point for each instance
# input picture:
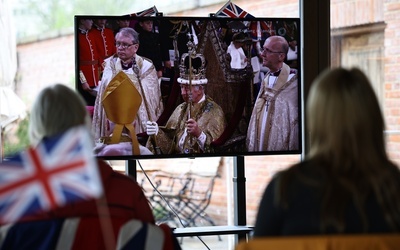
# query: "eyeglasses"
(268, 51)
(123, 45)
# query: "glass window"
(363, 34)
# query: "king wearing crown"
(197, 121)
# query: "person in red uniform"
(104, 39)
(57, 109)
(89, 59)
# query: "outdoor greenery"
(55, 15)
(18, 139)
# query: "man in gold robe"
(194, 124)
(274, 123)
(142, 74)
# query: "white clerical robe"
(274, 123)
(146, 82)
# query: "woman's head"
(347, 143)
(56, 109)
(344, 117)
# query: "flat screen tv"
(247, 108)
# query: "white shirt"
(238, 58)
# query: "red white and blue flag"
(147, 12)
(60, 170)
(83, 233)
(232, 10)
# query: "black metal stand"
(130, 168)
(239, 194)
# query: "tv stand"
(239, 229)
(130, 168)
(239, 194)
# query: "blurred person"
(149, 44)
(121, 23)
(274, 122)
(57, 109)
(238, 59)
(292, 57)
(346, 184)
(142, 75)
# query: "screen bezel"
(161, 18)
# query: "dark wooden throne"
(231, 89)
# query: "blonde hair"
(344, 118)
(347, 143)
(56, 109)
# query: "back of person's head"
(56, 109)
(347, 144)
(344, 118)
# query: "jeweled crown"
(197, 63)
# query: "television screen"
(160, 86)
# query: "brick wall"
(356, 12)
(45, 60)
(392, 76)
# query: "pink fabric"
(90, 110)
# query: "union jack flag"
(232, 10)
(60, 170)
(147, 12)
(72, 233)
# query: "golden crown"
(192, 67)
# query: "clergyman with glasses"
(127, 65)
(274, 122)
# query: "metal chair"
(181, 199)
(188, 195)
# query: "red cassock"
(105, 42)
(89, 58)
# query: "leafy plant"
(18, 139)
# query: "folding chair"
(170, 188)
(196, 198)
(182, 198)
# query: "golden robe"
(210, 119)
(146, 82)
(281, 132)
